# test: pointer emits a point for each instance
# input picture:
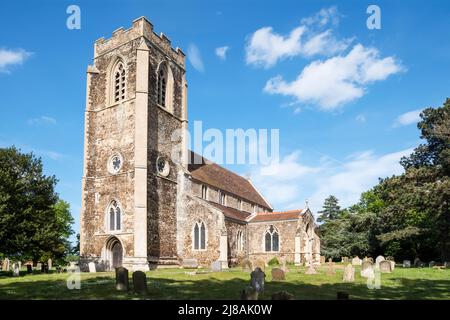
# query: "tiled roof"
(214, 175)
(275, 216)
(231, 212)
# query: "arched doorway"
(114, 251)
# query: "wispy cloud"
(221, 52)
(42, 120)
(266, 47)
(331, 83)
(195, 58)
(407, 118)
(361, 118)
(10, 57)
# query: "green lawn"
(413, 283)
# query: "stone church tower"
(136, 100)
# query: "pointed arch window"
(114, 216)
(164, 86)
(119, 83)
(240, 241)
(272, 239)
(199, 235)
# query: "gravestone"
(278, 274)
(282, 295)
(349, 273)
(344, 259)
(92, 267)
(257, 278)
(284, 265)
(16, 269)
(311, 269)
(392, 261)
(379, 259)
(260, 263)
(246, 265)
(139, 282)
(356, 261)
(190, 263)
(322, 259)
(330, 260)
(367, 270)
(6, 264)
(122, 279)
(385, 266)
(371, 260)
(50, 264)
(431, 264)
(249, 293)
(330, 268)
(406, 264)
(39, 266)
(29, 268)
(216, 266)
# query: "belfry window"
(240, 241)
(114, 216)
(199, 236)
(119, 76)
(272, 240)
(162, 86)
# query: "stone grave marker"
(392, 261)
(431, 264)
(278, 274)
(367, 270)
(92, 268)
(122, 283)
(406, 264)
(330, 268)
(6, 264)
(385, 266)
(50, 264)
(379, 259)
(260, 263)
(16, 269)
(190, 263)
(139, 282)
(311, 269)
(257, 279)
(322, 259)
(349, 273)
(39, 266)
(356, 261)
(216, 266)
(246, 265)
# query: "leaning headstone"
(349, 273)
(6, 264)
(249, 293)
(367, 270)
(139, 282)
(92, 267)
(190, 263)
(122, 279)
(282, 295)
(16, 269)
(260, 263)
(356, 261)
(385, 266)
(216, 266)
(246, 265)
(257, 279)
(50, 264)
(379, 259)
(278, 274)
(406, 264)
(29, 268)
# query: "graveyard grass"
(411, 283)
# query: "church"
(145, 206)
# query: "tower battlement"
(141, 27)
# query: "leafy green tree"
(34, 223)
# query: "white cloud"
(295, 182)
(221, 52)
(338, 80)
(266, 47)
(195, 58)
(9, 58)
(42, 120)
(408, 118)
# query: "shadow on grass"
(213, 286)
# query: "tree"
(331, 209)
(34, 222)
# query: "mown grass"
(413, 283)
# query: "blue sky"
(345, 98)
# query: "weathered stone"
(344, 259)
(282, 295)
(259, 263)
(216, 266)
(246, 265)
(92, 268)
(330, 268)
(379, 259)
(6, 264)
(385, 266)
(257, 279)
(16, 269)
(278, 274)
(356, 261)
(322, 259)
(190, 263)
(349, 273)
(139, 282)
(122, 281)
(406, 264)
(311, 269)
(431, 264)
(249, 293)
(367, 270)
(50, 264)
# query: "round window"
(162, 166)
(115, 163)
